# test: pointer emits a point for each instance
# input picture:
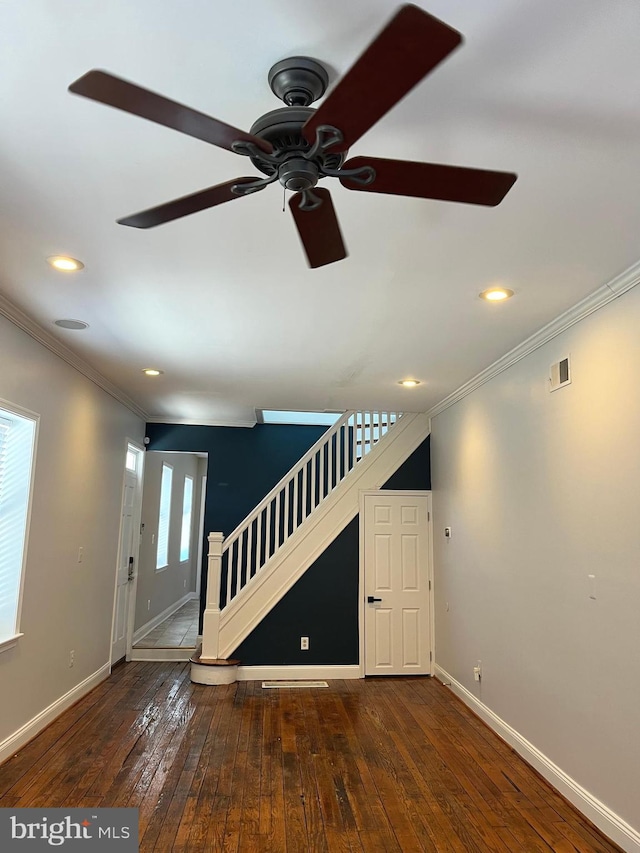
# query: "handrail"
(256, 539)
(286, 478)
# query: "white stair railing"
(252, 544)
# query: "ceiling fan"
(298, 145)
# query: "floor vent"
(560, 374)
(270, 684)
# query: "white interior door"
(396, 584)
(127, 553)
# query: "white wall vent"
(560, 374)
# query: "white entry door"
(396, 584)
(127, 552)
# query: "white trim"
(361, 579)
(179, 653)
(39, 334)
(10, 643)
(35, 417)
(314, 672)
(613, 826)
(213, 675)
(133, 590)
(23, 735)
(601, 297)
(165, 419)
(142, 632)
(203, 495)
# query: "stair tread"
(196, 658)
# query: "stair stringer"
(317, 532)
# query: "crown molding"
(167, 419)
(598, 299)
(39, 334)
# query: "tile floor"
(179, 630)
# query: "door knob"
(371, 599)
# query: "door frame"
(361, 579)
(131, 604)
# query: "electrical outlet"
(80, 554)
(185, 583)
(477, 671)
(72, 658)
(148, 604)
(304, 643)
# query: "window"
(187, 503)
(17, 443)
(132, 459)
(162, 558)
(272, 416)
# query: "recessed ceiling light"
(152, 371)
(409, 383)
(71, 324)
(61, 262)
(496, 294)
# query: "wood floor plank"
(374, 765)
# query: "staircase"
(253, 568)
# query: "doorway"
(395, 581)
(166, 611)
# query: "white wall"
(76, 502)
(541, 490)
(166, 587)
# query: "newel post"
(211, 623)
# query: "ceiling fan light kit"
(297, 145)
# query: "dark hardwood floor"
(376, 765)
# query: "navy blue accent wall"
(415, 473)
(322, 605)
(244, 465)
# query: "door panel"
(383, 638)
(396, 570)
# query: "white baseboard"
(313, 672)
(177, 653)
(148, 627)
(611, 824)
(17, 740)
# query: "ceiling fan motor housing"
(298, 80)
(297, 174)
(283, 129)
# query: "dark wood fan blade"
(184, 206)
(318, 229)
(410, 46)
(431, 180)
(115, 92)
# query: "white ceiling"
(223, 301)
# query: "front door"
(127, 552)
(396, 584)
